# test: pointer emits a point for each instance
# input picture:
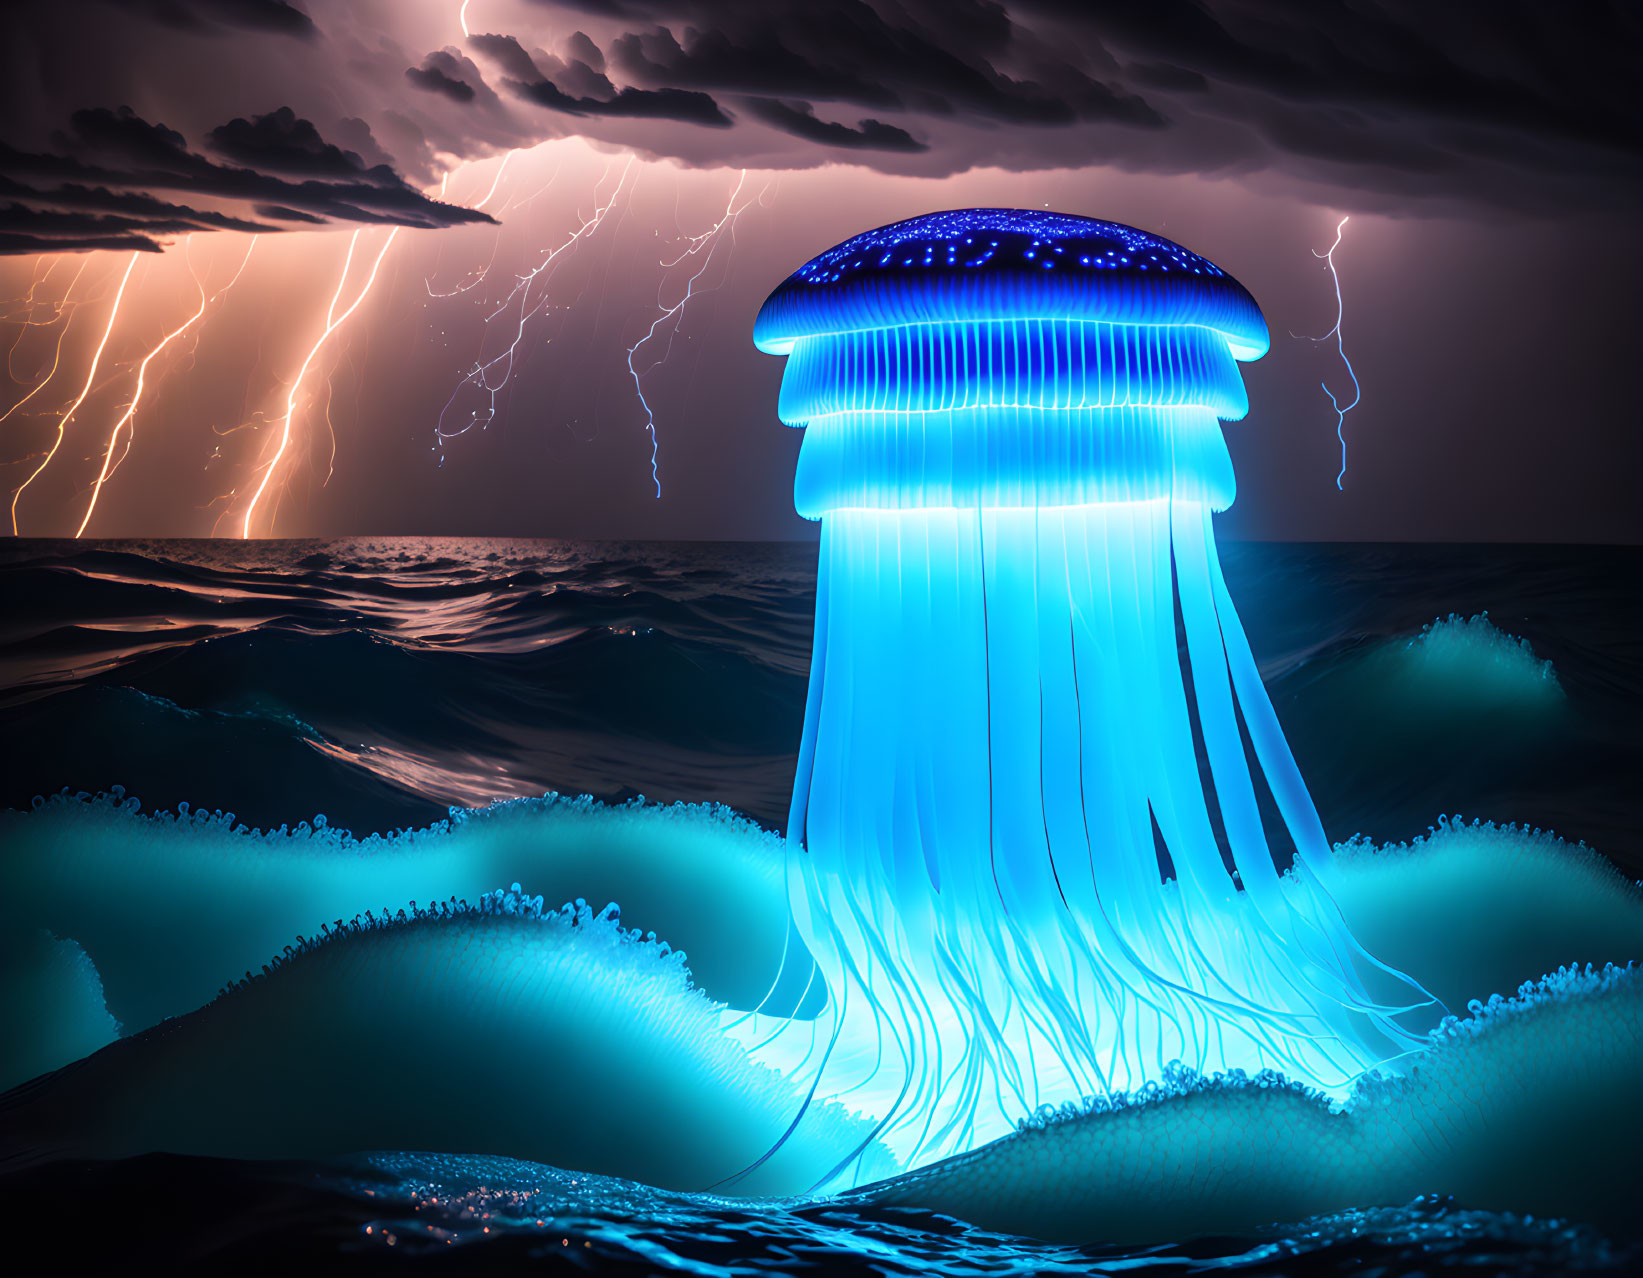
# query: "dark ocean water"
(378, 681)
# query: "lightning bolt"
(674, 315)
(91, 377)
(333, 321)
(462, 17)
(24, 315)
(480, 374)
(36, 278)
(126, 418)
(475, 278)
(57, 358)
(1341, 410)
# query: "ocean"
(380, 681)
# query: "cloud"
(854, 53)
(279, 214)
(684, 106)
(508, 54)
(799, 119)
(1506, 65)
(435, 76)
(143, 207)
(1509, 104)
(275, 16)
(94, 189)
(580, 46)
(578, 87)
(280, 142)
(764, 64)
(126, 137)
(1392, 105)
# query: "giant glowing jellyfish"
(1031, 862)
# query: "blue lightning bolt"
(673, 315)
(1341, 410)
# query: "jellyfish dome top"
(1028, 853)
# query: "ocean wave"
(429, 672)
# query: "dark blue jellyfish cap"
(1007, 264)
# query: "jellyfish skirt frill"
(1027, 849)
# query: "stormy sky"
(619, 156)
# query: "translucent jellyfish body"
(1028, 852)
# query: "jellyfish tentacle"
(1313, 863)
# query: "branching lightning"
(333, 321)
(26, 305)
(475, 278)
(480, 375)
(673, 315)
(63, 310)
(127, 418)
(519, 309)
(91, 377)
(1341, 410)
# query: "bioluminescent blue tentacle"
(802, 1109)
(1313, 863)
(1317, 960)
(909, 1063)
(800, 804)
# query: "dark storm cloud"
(281, 143)
(47, 230)
(145, 208)
(683, 106)
(125, 137)
(1391, 105)
(14, 245)
(279, 214)
(108, 163)
(205, 15)
(1553, 70)
(435, 76)
(852, 53)
(1509, 103)
(577, 87)
(508, 54)
(800, 120)
(580, 46)
(765, 64)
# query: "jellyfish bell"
(1028, 853)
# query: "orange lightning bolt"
(333, 321)
(91, 376)
(57, 358)
(142, 375)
